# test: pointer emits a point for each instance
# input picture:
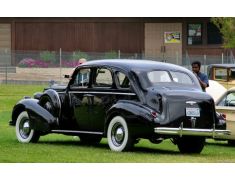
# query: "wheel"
(231, 142)
(191, 144)
(24, 133)
(90, 139)
(118, 135)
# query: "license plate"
(193, 112)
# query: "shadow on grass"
(158, 151)
(105, 146)
(219, 143)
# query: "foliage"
(32, 63)
(111, 55)
(48, 56)
(226, 25)
(78, 55)
(29, 62)
(70, 64)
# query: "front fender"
(55, 100)
(40, 119)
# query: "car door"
(108, 87)
(80, 99)
(227, 106)
(102, 96)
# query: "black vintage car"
(123, 100)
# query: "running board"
(76, 132)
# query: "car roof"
(128, 64)
(223, 65)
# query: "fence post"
(6, 74)
(60, 66)
(187, 60)
(136, 55)
(204, 63)
(222, 58)
(119, 54)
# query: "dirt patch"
(37, 74)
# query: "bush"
(111, 55)
(29, 62)
(78, 55)
(48, 56)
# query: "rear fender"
(40, 118)
(137, 115)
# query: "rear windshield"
(161, 76)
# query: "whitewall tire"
(24, 133)
(118, 135)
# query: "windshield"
(161, 76)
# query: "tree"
(226, 25)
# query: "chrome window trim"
(97, 92)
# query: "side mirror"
(66, 76)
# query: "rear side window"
(159, 76)
(123, 80)
(103, 78)
(181, 78)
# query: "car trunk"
(193, 112)
(194, 108)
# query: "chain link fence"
(43, 67)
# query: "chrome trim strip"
(96, 92)
(214, 133)
(79, 132)
(57, 95)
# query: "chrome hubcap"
(118, 134)
(24, 128)
(48, 106)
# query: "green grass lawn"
(61, 148)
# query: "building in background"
(165, 39)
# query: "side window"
(158, 76)
(82, 78)
(180, 77)
(228, 100)
(123, 80)
(232, 74)
(103, 78)
(220, 74)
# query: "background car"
(123, 100)
(215, 89)
(225, 105)
(222, 73)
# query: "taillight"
(223, 115)
(154, 114)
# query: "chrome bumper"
(214, 133)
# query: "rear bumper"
(214, 133)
